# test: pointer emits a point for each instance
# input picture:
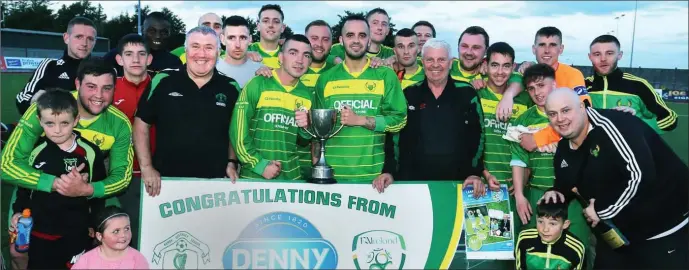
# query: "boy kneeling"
(60, 232)
(550, 245)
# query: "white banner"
(214, 224)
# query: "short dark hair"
(272, 7)
(501, 48)
(95, 66)
(156, 15)
(81, 21)
(235, 21)
(606, 39)
(355, 17)
(295, 37)
(537, 72)
(57, 100)
(475, 30)
(376, 10)
(317, 23)
(405, 32)
(424, 23)
(548, 31)
(553, 210)
(131, 39)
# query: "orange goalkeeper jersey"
(572, 78)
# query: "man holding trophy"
(264, 129)
(371, 103)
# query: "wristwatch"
(236, 162)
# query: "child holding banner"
(113, 233)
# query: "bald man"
(628, 176)
(211, 20)
(156, 31)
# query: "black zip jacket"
(52, 212)
(443, 138)
(51, 73)
(636, 179)
(623, 89)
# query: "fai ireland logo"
(220, 100)
(379, 250)
(181, 251)
(70, 163)
(280, 240)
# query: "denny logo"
(280, 240)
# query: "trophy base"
(322, 175)
(322, 181)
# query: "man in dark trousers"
(443, 139)
(629, 177)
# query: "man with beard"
(628, 176)
(379, 23)
(99, 123)
(270, 27)
(443, 139)
(267, 149)
(156, 30)
(196, 94)
(51, 73)
(609, 87)
(371, 103)
(236, 65)
(211, 20)
(473, 43)
(406, 49)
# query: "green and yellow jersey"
(182, 54)
(338, 50)
(540, 163)
(459, 74)
(270, 58)
(412, 78)
(263, 128)
(111, 131)
(531, 252)
(357, 153)
(309, 79)
(497, 154)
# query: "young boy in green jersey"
(539, 81)
(550, 245)
(264, 131)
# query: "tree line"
(37, 15)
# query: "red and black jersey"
(126, 99)
(53, 213)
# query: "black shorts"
(61, 253)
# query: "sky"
(661, 36)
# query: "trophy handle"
(309, 132)
(338, 129)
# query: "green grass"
(12, 83)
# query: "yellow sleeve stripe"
(118, 185)
(241, 122)
(398, 127)
(662, 123)
(13, 170)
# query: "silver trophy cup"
(322, 127)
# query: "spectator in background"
(236, 37)
(211, 20)
(196, 95)
(609, 87)
(80, 39)
(628, 176)
(156, 30)
(134, 57)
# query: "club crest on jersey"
(370, 86)
(595, 150)
(220, 100)
(98, 140)
(624, 103)
(298, 104)
(70, 163)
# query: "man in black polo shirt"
(443, 139)
(191, 108)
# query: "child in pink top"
(113, 232)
